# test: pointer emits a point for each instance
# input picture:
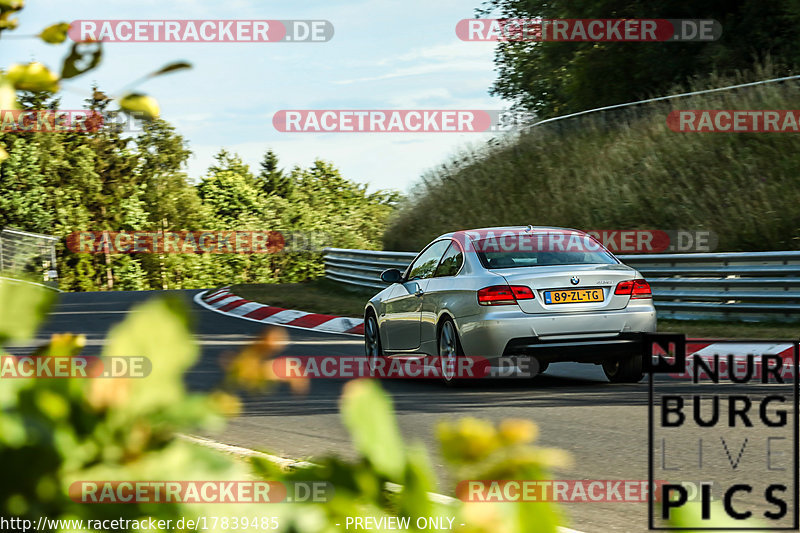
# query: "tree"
(23, 203)
(273, 180)
(230, 191)
(554, 78)
(170, 201)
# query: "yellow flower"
(469, 440)
(518, 431)
(227, 404)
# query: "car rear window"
(525, 250)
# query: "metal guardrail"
(25, 254)
(362, 267)
(742, 286)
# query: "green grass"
(331, 298)
(623, 170)
(315, 296)
(28, 277)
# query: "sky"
(384, 54)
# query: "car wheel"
(449, 351)
(627, 370)
(542, 367)
(372, 343)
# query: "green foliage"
(115, 180)
(171, 67)
(56, 432)
(82, 58)
(58, 183)
(229, 189)
(32, 77)
(24, 201)
(556, 78)
(367, 413)
(626, 170)
(272, 180)
(140, 103)
(55, 34)
(24, 306)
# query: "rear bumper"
(584, 337)
(588, 350)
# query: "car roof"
(512, 229)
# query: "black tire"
(628, 370)
(373, 348)
(449, 350)
(542, 367)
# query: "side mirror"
(392, 275)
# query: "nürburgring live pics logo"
(735, 427)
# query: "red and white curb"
(225, 302)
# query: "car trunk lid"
(554, 279)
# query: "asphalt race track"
(603, 426)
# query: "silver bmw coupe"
(550, 294)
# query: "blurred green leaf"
(537, 517)
(55, 34)
(8, 23)
(63, 345)
(51, 404)
(8, 96)
(140, 103)
(32, 77)
(368, 413)
(12, 431)
(171, 67)
(82, 57)
(22, 308)
(418, 480)
(157, 330)
(11, 5)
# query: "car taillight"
(635, 288)
(504, 294)
(521, 292)
(624, 287)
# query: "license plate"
(573, 296)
